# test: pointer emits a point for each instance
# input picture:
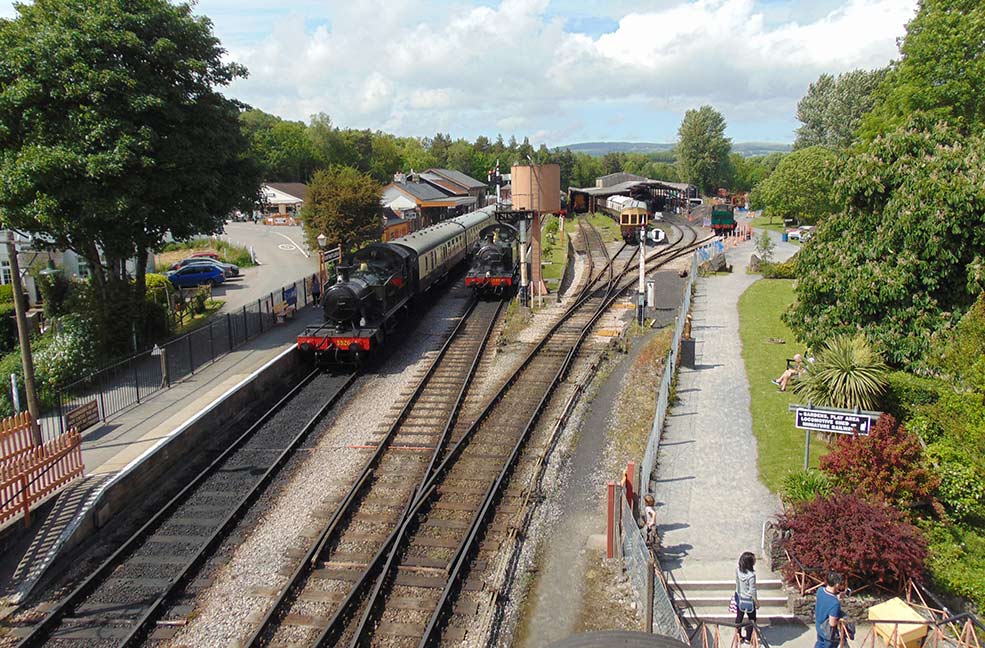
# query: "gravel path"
(240, 592)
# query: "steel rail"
(351, 500)
(462, 557)
(41, 631)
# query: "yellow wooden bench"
(284, 311)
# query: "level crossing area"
(380, 503)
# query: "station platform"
(120, 445)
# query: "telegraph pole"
(24, 338)
(641, 289)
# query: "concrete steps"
(710, 601)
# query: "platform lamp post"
(24, 339)
(322, 247)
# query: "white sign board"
(833, 422)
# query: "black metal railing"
(129, 382)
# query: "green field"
(554, 252)
(763, 222)
(606, 226)
(781, 446)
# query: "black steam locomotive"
(496, 261)
(380, 282)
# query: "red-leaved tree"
(886, 465)
(866, 541)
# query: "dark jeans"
(746, 631)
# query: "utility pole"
(641, 289)
(24, 338)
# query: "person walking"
(828, 612)
(746, 595)
(315, 289)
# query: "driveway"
(282, 258)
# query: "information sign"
(333, 255)
(833, 422)
(83, 417)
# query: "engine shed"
(658, 194)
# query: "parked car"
(209, 254)
(801, 233)
(228, 269)
(196, 274)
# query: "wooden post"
(24, 340)
(610, 535)
(648, 613)
(26, 501)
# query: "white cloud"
(414, 67)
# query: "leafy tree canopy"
(902, 261)
(112, 132)
(344, 205)
(833, 107)
(703, 150)
(801, 187)
(941, 70)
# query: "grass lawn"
(781, 445)
(763, 222)
(554, 254)
(608, 228)
(192, 321)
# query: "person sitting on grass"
(795, 370)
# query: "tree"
(703, 150)
(833, 108)
(344, 205)
(765, 246)
(900, 262)
(941, 70)
(801, 187)
(846, 373)
(112, 134)
(749, 172)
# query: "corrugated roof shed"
(420, 190)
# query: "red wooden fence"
(32, 475)
(15, 436)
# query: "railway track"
(353, 545)
(121, 601)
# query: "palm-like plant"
(847, 373)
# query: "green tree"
(802, 186)
(845, 373)
(749, 172)
(703, 150)
(344, 205)
(941, 70)
(385, 159)
(899, 262)
(765, 246)
(112, 134)
(833, 107)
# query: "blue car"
(196, 275)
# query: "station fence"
(123, 384)
(29, 473)
(670, 369)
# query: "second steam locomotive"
(380, 282)
(496, 261)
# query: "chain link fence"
(128, 382)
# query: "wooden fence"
(32, 473)
(15, 437)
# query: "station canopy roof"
(629, 185)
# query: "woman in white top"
(746, 596)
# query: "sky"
(558, 72)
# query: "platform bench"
(284, 311)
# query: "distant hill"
(746, 149)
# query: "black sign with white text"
(833, 422)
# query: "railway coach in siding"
(381, 281)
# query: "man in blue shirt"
(827, 611)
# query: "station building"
(661, 195)
(282, 202)
(416, 200)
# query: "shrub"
(68, 354)
(956, 561)
(805, 486)
(6, 294)
(199, 300)
(784, 270)
(8, 327)
(961, 487)
(846, 373)
(866, 540)
(55, 290)
(906, 392)
(887, 465)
